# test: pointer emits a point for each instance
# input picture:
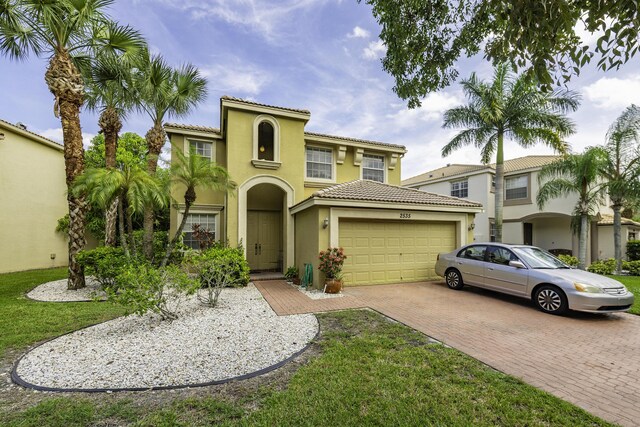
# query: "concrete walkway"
(592, 361)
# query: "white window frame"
(460, 189)
(276, 138)
(333, 164)
(492, 230)
(187, 146)
(527, 186)
(384, 165)
(203, 210)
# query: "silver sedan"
(533, 273)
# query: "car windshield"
(538, 258)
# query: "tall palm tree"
(132, 187)
(191, 172)
(622, 169)
(513, 107)
(575, 174)
(110, 91)
(164, 93)
(69, 33)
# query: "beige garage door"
(393, 251)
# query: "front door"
(528, 233)
(264, 237)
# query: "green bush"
(569, 260)
(291, 273)
(633, 250)
(104, 263)
(603, 267)
(233, 258)
(633, 267)
(142, 287)
(160, 241)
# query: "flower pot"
(332, 286)
(296, 281)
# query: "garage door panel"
(391, 252)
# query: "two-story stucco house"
(300, 192)
(523, 222)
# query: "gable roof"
(364, 190)
(30, 135)
(452, 170)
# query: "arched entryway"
(265, 225)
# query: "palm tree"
(575, 174)
(69, 33)
(133, 188)
(514, 107)
(622, 169)
(110, 91)
(164, 92)
(191, 172)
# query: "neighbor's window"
(373, 167)
(516, 187)
(202, 148)
(319, 163)
(492, 231)
(206, 221)
(632, 235)
(265, 141)
(460, 189)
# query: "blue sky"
(321, 55)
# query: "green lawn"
(365, 370)
(633, 284)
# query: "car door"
(502, 277)
(471, 263)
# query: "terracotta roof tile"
(361, 141)
(366, 190)
(32, 133)
(244, 101)
(607, 219)
(193, 127)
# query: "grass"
(24, 322)
(367, 371)
(633, 284)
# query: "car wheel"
(454, 279)
(551, 300)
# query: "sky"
(319, 55)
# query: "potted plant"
(292, 275)
(331, 262)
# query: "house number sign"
(405, 215)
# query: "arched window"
(266, 146)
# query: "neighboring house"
(33, 196)
(523, 222)
(300, 192)
(630, 231)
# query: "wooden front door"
(264, 237)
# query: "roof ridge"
(246, 101)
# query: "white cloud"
(432, 109)
(55, 134)
(613, 93)
(375, 50)
(233, 77)
(359, 33)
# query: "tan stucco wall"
(32, 199)
(310, 239)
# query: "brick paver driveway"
(592, 361)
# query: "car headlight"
(581, 287)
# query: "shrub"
(633, 250)
(142, 287)
(233, 259)
(569, 260)
(215, 274)
(603, 267)
(633, 267)
(160, 242)
(104, 263)
(331, 262)
(291, 273)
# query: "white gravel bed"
(241, 335)
(57, 291)
(316, 293)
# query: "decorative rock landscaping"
(316, 293)
(239, 337)
(57, 291)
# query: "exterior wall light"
(471, 226)
(325, 223)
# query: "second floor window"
(460, 189)
(201, 148)
(319, 163)
(265, 141)
(373, 167)
(516, 187)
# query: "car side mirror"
(516, 264)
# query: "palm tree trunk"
(617, 235)
(110, 124)
(132, 240)
(123, 238)
(499, 194)
(66, 84)
(155, 141)
(582, 241)
(172, 243)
